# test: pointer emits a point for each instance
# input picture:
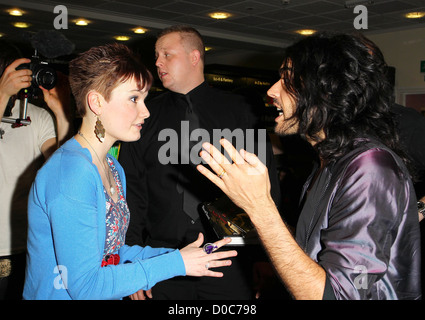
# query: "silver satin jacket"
(360, 223)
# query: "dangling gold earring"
(99, 130)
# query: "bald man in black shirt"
(165, 190)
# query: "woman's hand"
(198, 262)
(142, 295)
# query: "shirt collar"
(194, 93)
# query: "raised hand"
(245, 181)
(14, 80)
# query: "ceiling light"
(305, 32)
(15, 12)
(81, 22)
(1, 35)
(415, 15)
(220, 15)
(139, 30)
(122, 38)
(208, 48)
(21, 25)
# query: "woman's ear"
(93, 101)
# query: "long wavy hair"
(341, 88)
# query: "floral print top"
(117, 217)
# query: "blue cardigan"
(66, 236)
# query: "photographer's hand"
(58, 100)
(12, 81)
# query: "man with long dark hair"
(358, 235)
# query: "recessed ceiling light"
(122, 38)
(21, 25)
(220, 15)
(15, 12)
(306, 32)
(81, 22)
(139, 30)
(415, 15)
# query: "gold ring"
(222, 174)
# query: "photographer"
(23, 148)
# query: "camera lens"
(45, 77)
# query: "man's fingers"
(233, 153)
(211, 176)
(218, 157)
(256, 166)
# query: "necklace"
(111, 188)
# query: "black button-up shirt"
(160, 172)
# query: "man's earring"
(99, 130)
